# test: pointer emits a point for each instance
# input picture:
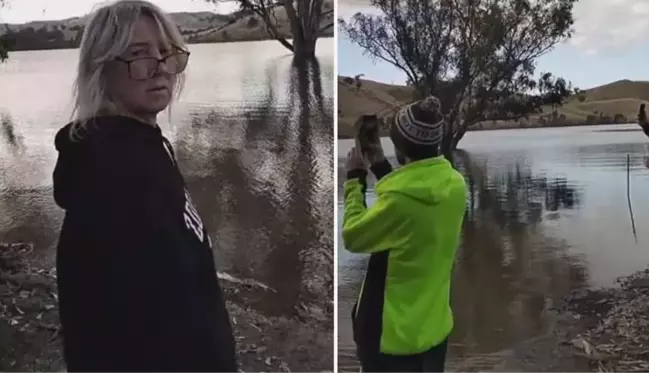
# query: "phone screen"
(368, 131)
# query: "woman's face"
(140, 92)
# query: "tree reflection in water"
(510, 267)
(262, 178)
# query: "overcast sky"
(20, 11)
(611, 42)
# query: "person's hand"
(375, 153)
(355, 160)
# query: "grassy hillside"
(616, 102)
(199, 27)
(70, 28)
(251, 27)
(187, 21)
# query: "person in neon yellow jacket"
(402, 318)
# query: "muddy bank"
(610, 326)
(594, 329)
(597, 330)
(30, 334)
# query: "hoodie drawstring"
(170, 150)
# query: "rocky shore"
(30, 334)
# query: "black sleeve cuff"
(357, 174)
(381, 169)
(361, 175)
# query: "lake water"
(547, 213)
(254, 139)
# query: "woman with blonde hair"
(137, 284)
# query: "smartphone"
(368, 132)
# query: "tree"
(304, 17)
(3, 51)
(581, 94)
(553, 91)
(477, 56)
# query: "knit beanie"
(419, 126)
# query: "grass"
(616, 102)
(251, 28)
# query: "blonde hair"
(107, 35)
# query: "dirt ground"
(609, 328)
(30, 334)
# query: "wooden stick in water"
(628, 194)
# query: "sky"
(611, 42)
(21, 11)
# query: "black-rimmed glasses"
(146, 67)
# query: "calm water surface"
(253, 135)
(547, 213)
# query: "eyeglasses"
(146, 67)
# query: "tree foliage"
(553, 91)
(304, 16)
(477, 56)
(29, 38)
(3, 50)
(3, 53)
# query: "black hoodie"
(138, 289)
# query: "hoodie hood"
(428, 181)
(102, 139)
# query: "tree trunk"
(304, 49)
(304, 39)
(458, 136)
(452, 139)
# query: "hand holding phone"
(368, 138)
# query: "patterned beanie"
(421, 123)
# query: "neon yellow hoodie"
(412, 231)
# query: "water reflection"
(254, 138)
(514, 195)
(23, 208)
(510, 267)
(263, 180)
(8, 134)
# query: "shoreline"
(243, 40)
(592, 329)
(611, 324)
(384, 133)
(30, 328)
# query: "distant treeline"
(55, 37)
(60, 36)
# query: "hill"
(611, 103)
(251, 27)
(197, 27)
